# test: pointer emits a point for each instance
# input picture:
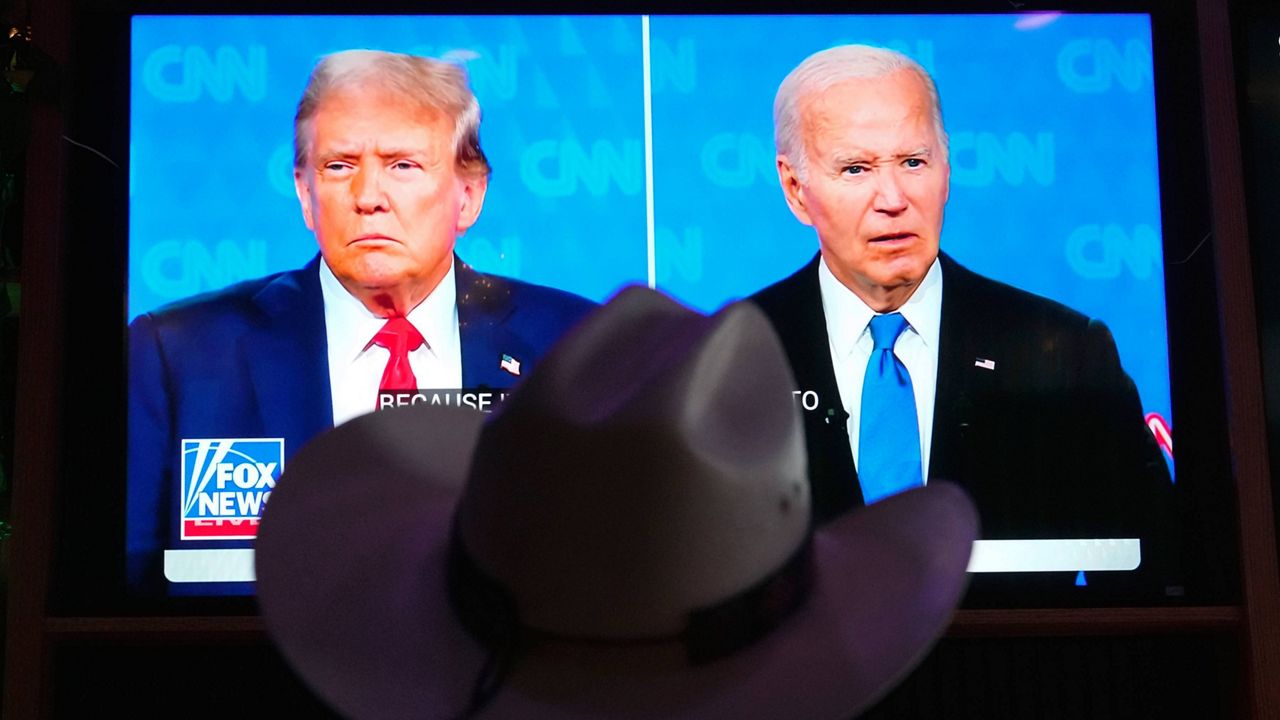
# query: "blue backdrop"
(1051, 118)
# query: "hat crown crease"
(617, 523)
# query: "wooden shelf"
(966, 623)
(165, 629)
(1094, 621)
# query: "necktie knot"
(885, 330)
(399, 336)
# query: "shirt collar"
(350, 325)
(848, 316)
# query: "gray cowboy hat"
(628, 536)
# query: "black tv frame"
(88, 569)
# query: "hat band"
(743, 618)
(489, 612)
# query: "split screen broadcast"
(604, 151)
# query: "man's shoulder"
(543, 298)
(500, 295)
(793, 307)
(796, 292)
(1000, 304)
(237, 305)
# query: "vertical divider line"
(650, 231)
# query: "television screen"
(630, 149)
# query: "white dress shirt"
(356, 371)
(848, 327)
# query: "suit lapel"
(796, 305)
(485, 304)
(968, 363)
(288, 362)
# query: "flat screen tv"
(625, 148)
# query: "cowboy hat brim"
(351, 580)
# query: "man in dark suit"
(1019, 399)
(389, 173)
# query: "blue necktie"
(888, 435)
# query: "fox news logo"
(225, 485)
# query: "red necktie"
(399, 337)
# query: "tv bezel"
(88, 573)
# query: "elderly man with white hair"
(389, 173)
(914, 368)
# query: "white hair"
(830, 67)
(426, 83)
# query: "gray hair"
(426, 83)
(830, 67)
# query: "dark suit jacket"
(250, 361)
(1049, 444)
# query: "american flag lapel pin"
(510, 364)
(984, 363)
